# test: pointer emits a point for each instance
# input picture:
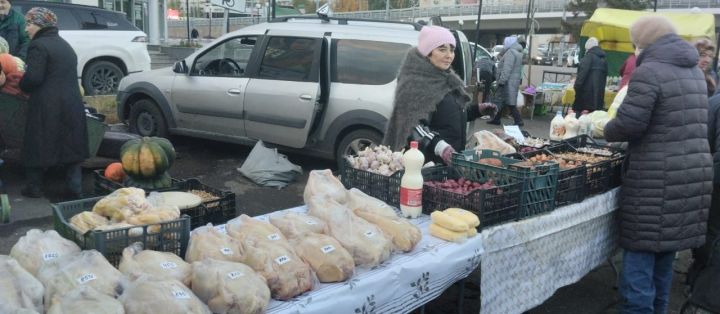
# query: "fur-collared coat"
(428, 95)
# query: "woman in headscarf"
(508, 84)
(706, 50)
(55, 132)
(431, 105)
(591, 79)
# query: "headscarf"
(590, 43)
(42, 17)
(509, 41)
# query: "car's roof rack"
(344, 20)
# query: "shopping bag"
(266, 167)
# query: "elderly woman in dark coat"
(668, 176)
(591, 79)
(55, 133)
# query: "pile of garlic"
(379, 159)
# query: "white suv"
(107, 45)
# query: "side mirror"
(180, 67)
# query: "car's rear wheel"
(147, 120)
(354, 142)
(102, 78)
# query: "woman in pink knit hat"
(431, 105)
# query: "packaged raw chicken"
(365, 241)
(323, 182)
(209, 242)
(36, 248)
(148, 294)
(135, 260)
(403, 233)
(330, 261)
(86, 300)
(487, 140)
(86, 221)
(122, 203)
(293, 225)
(86, 268)
(228, 287)
(358, 200)
(269, 253)
(20, 292)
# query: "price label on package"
(327, 249)
(369, 233)
(262, 218)
(514, 131)
(226, 251)
(221, 228)
(86, 278)
(50, 256)
(273, 237)
(235, 274)
(311, 222)
(282, 260)
(180, 294)
(168, 265)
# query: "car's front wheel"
(354, 142)
(102, 78)
(146, 119)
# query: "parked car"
(544, 59)
(481, 52)
(323, 88)
(497, 50)
(107, 45)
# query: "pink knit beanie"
(432, 37)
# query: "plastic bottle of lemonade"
(411, 184)
(557, 127)
(572, 125)
(585, 123)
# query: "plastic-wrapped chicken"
(323, 182)
(270, 254)
(20, 292)
(86, 221)
(86, 300)
(403, 233)
(228, 287)
(134, 232)
(86, 268)
(122, 203)
(293, 225)
(366, 242)
(148, 294)
(208, 242)
(358, 200)
(36, 248)
(135, 260)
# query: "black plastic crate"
(384, 188)
(493, 206)
(539, 182)
(217, 211)
(105, 186)
(571, 186)
(171, 236)
(601, 176)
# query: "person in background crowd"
(627, 68)
(55, 131)
(706, 50)
(591, 79)
(431, 105)
(667, 180)
(508, 84)
(12, 29)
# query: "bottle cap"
(414, 144)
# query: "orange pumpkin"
(115, 172)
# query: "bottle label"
(410, 197)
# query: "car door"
(210, 97)
(282, 97)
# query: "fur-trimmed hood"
(421, 86)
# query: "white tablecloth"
(399, 285)
(525, 262)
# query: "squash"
(162, 181)
(114, 172)
(147, 157)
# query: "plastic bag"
(487, 140)
(37, 248)
(267, 167)
(520, 100)
(228, 287)
(612, 111)
(148, 294)
(208, 242)
(324, 183)
(166, 265)
(295, 225)
(19, 290)
(599, 119)
(85, 299)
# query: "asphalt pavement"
(216, 164)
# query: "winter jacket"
(667, 183)
(627, 69)
(12, 28)
(56, 131)
(510, 67)
(427, 95)
(590, 81)
(713, 126)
